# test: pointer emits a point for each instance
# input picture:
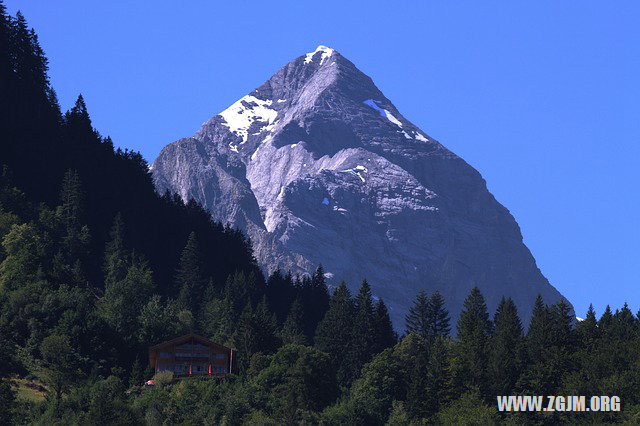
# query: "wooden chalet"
(191, 355)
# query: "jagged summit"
(319, 167)
(324, 51)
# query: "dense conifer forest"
(95, 267)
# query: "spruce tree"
(71, 213)
(115, 256)
(417, 320)
(335, 331)
(539, 331)
(437, 316)
(125, 298)
(474, 328)
(292, 328)
(625, 325)
(587, 330)
(506, 355)
(255, 332)
(385, 337)
(545, 358)
(280, 294)
(363, 341)
(315, 301)
(189, 279)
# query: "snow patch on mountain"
(308, 166)
(326, 54)
(244, 112)
(419, 137)
(383, 112)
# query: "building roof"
(189, 338)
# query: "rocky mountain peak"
(317, 166)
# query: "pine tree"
(562, 325)
(136, 377)
(437, 316)
(506, 355)
(124, 299)
(115, 257)
(546, 352)
(334, 333)
(363, 341)
(417, 320)
(280, 294)
(474, 328)
(606, 321)
(189, 277)
(625, 325)
(315, 301)
(539, 330)
(385, 337)
(587, 330)
(256, 331)
(427, 390)
(292, 328)
(71, 213)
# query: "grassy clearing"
(30, 390)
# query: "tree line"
(95, 267)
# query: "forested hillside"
(95, 267)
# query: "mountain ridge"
(317, 153)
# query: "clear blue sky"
(543, 98)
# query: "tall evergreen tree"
(587, 330)
(315, 301)
(335, 332)
(256, 331)
(625, 325)
(417, 320)
(71, 213)
(363, 343)
(539, 329)
(474, 328)
(125, 298)
(605, 323)
(189, 279)
(562, 324)
(548, 344)
(506, 356)
(280, 294)
(292, 328)
(437, 316)
(385, 337)
(115, 256)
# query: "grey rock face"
(319, 167)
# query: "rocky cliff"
(319, 167)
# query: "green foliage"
(474, 328)
(468, 410)
(163, 378)
(189, 279)
(161, 321)
(256, 332)
(125, 298)
(416, 320)
(437, 316)
(428, 316)
(292, 332)
(95, 267)
(59, 364)
(296, 383)
(506, 353)
(334, 332)
(384, 336)
(24, 252)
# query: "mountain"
(317, 166)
